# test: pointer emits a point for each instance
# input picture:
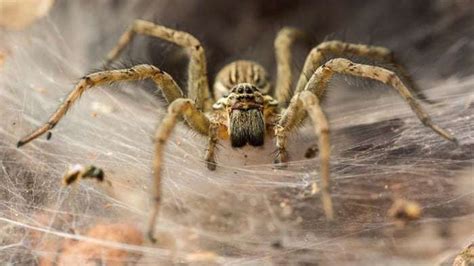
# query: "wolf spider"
(242, 108)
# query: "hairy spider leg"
(163, 80)
(307, 101)
(211, 148)
(317, 85)
(179, 107)
(283, 42)
(316, 58)
(198, 86)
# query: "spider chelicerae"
(244, 108)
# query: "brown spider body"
(244, 112)
(243, 109)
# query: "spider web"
(246, 212)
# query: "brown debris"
(404, 211)
(78, 172)
(74, 252)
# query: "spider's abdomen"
(239, 72)
(246, 127)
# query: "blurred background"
(245, 213)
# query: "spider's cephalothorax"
(243, 109)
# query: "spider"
(244, 109)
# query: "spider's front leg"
(197, 120)
(198, 85)
(164, 81)
(307, 102)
